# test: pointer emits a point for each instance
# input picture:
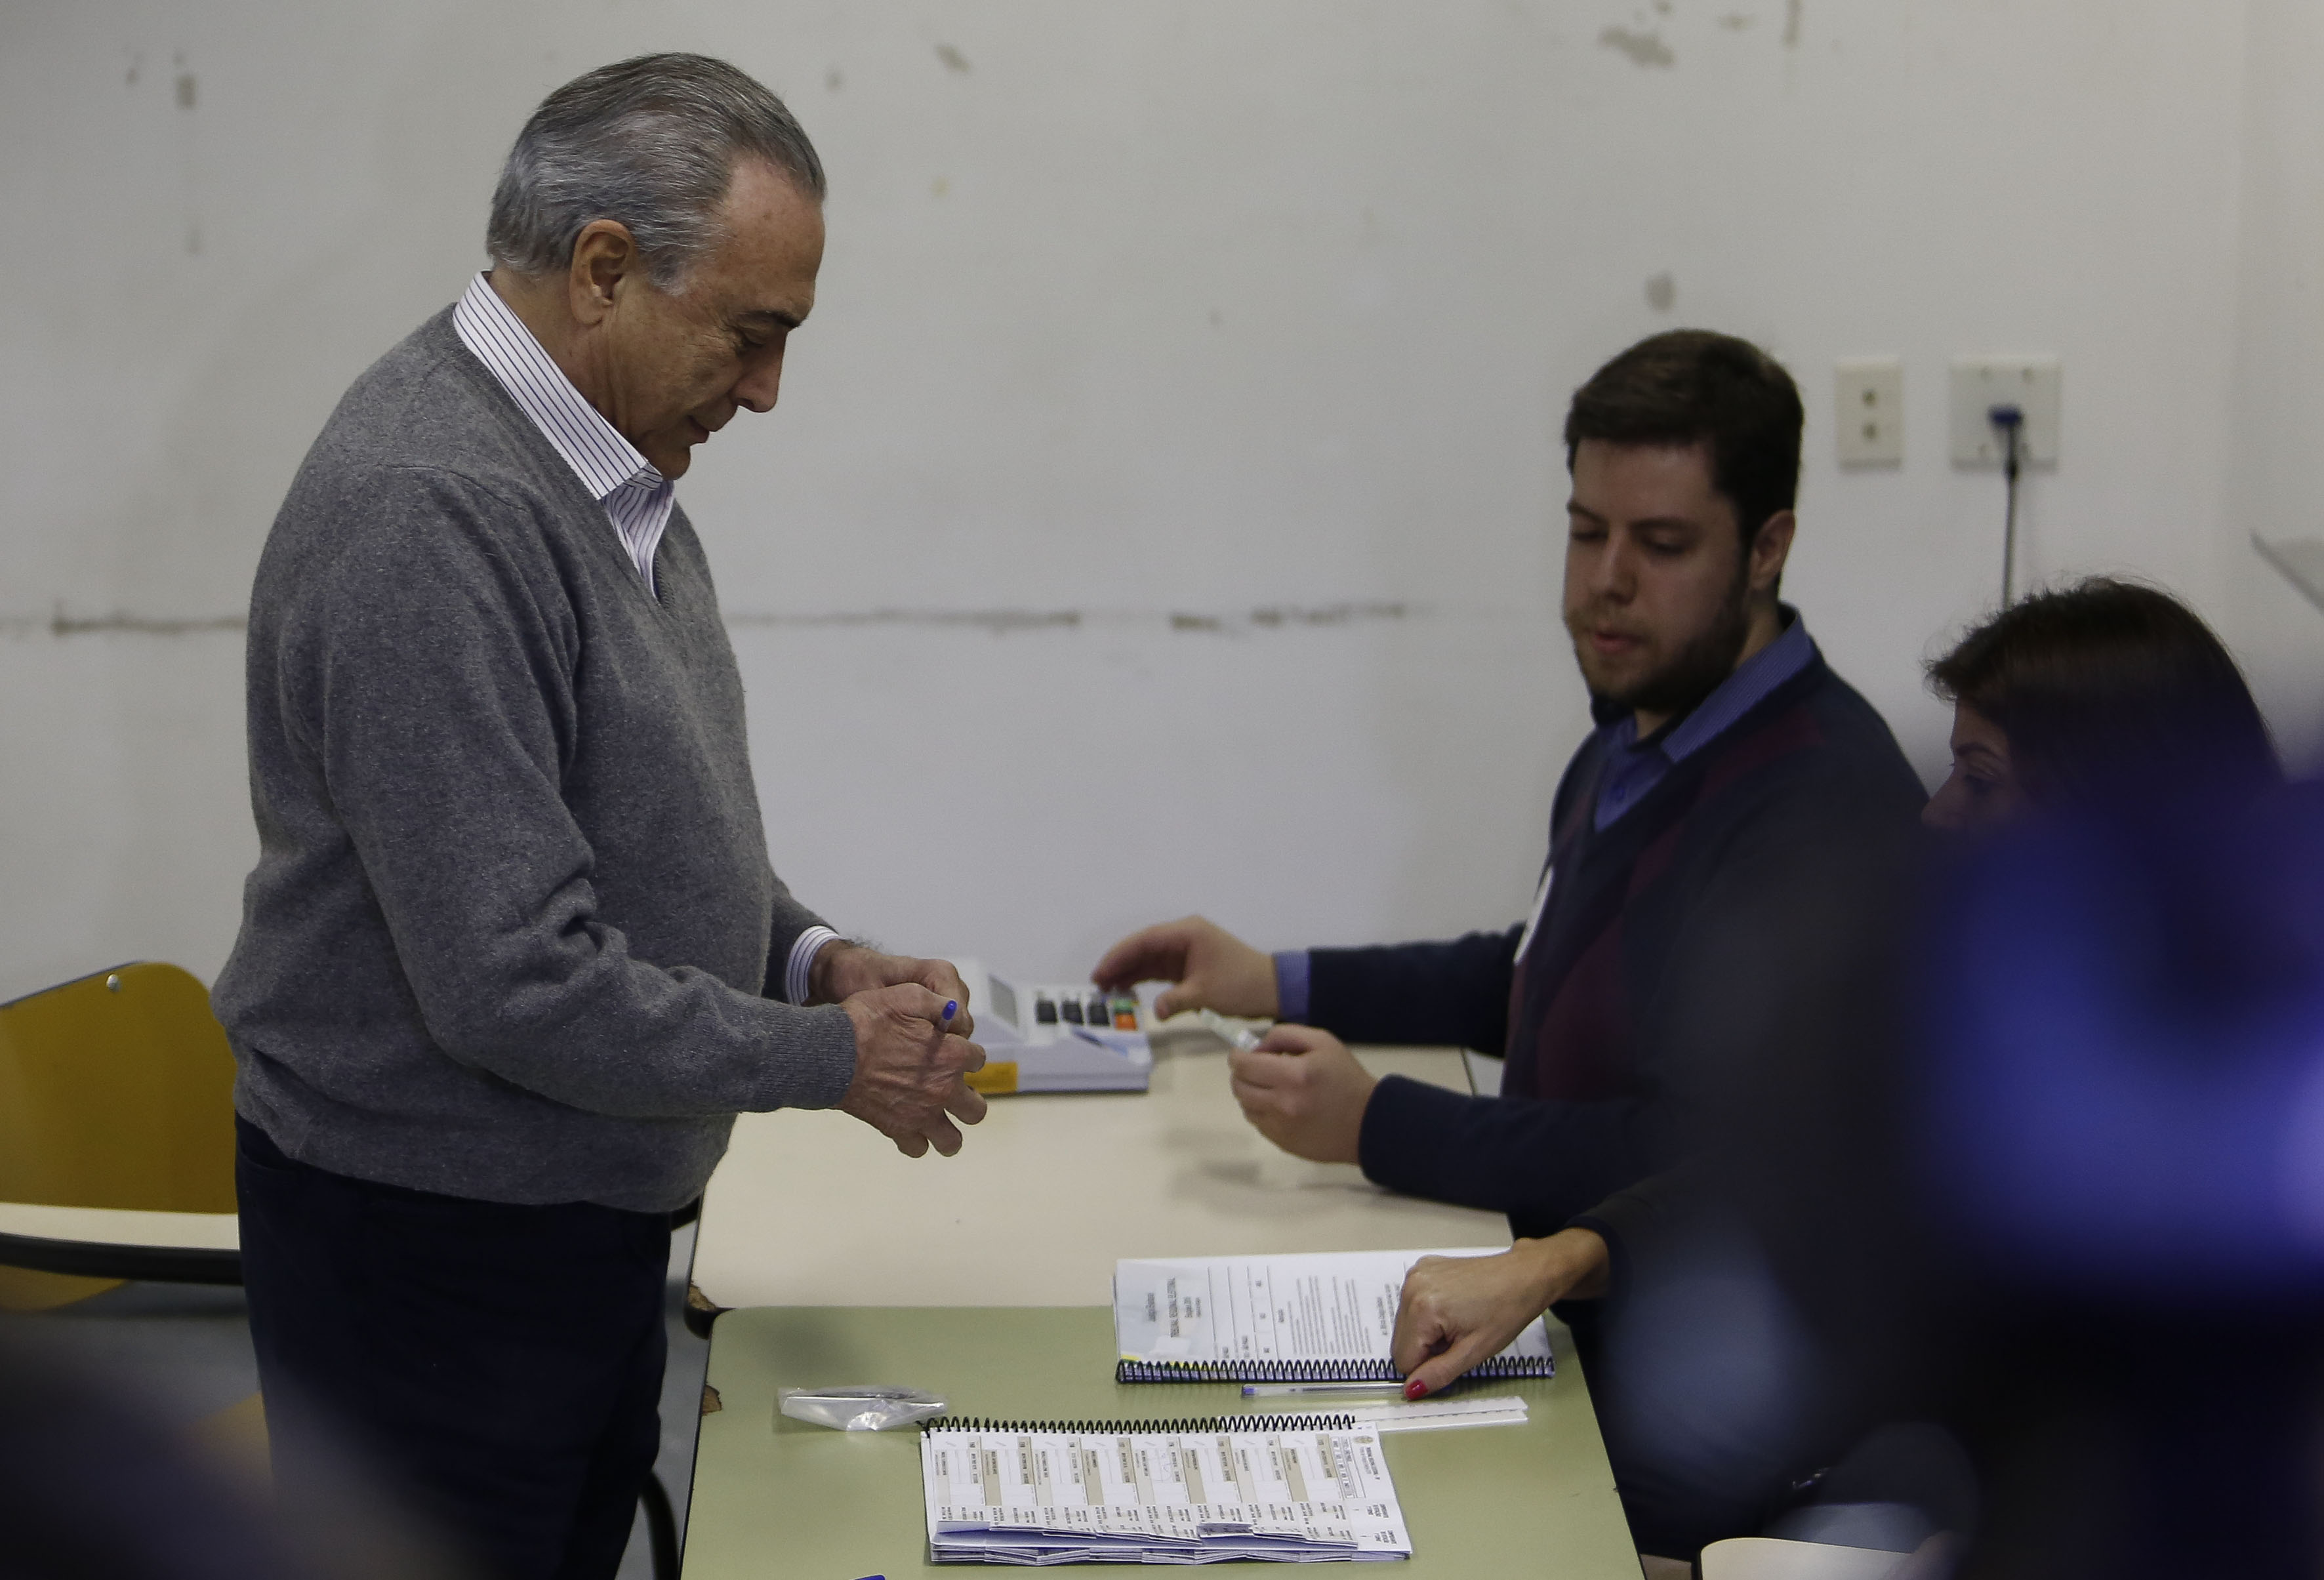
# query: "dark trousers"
(501, 1366)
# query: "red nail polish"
(1415, 1388)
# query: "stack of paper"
(1299, 1319)
(1298, 1489)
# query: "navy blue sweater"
(1606, 1072)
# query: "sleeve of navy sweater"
(1518, 1156)
(1421, 1140)
(1538, 1160)
(1454, 994)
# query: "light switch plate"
(1980, 383)
(1868, 410)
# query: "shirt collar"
(594, 448)
(1750, 685)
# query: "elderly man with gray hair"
(513, 955)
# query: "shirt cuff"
(1291, 973)
(798, 970)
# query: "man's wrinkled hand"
(843, 970)
(1460, 1311)
(1208, 967)
(910, 1071)
(1305, 1092)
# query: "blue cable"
(2011, 421)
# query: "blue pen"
(952, 1008)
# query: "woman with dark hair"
(2101, 693)
(2108, 1041)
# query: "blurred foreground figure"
(2045, 1164)
(90, 1492)
(2114, 1130)
(91, 1489)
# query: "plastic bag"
(860, 1407)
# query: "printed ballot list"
(1258, 1316)
(1306, 1488)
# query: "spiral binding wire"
(1253, 1422)
(1372, 1371)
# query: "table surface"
(775, 1496)
(106, 1226)
(815, 1209)
(1767, 1558)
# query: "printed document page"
(1337, 1306)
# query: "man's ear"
(1770, 549)
(604, 258)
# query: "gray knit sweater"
(511, 925)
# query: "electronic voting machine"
(1055, 1039)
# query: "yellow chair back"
(118, 1091)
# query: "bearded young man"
(1726, 752)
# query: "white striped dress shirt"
(637, 497)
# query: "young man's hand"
(1306, 1093)
(1209, 968)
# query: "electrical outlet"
(1980, 383)
(1868, 411)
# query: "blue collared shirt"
(1633, 767)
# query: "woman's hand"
(1461, 1311)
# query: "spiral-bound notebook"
(1291, 1488)
(1326, 1317)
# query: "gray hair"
(651, 143)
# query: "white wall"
(2275, 462)
(1144, 318)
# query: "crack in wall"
(998, 622)
(60, 624)
(1006, 622)
(1270, 617)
